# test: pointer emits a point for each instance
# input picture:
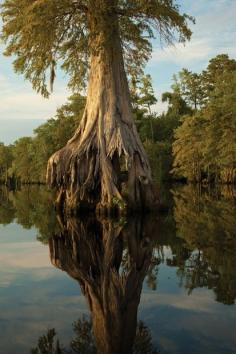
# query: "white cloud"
(200, 300)
(160, 107)
(29, 255)
(29, 105)
(216, 17)
(213, 33)
(20, 101)
(182, 54)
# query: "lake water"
(175, 272)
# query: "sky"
(22, 110)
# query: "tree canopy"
(203, 139)
(26, 159)
(205, 143)
(109, 39)
(45, 34)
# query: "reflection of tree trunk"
(110, 275)
(88, 169)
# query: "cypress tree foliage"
(25, 161)
(218, 66)
(205, 144)
(107, 39)
(187, 149)
(148, 98)
(142, 99)
(5, 162)
(189, 85)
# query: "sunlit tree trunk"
(104, 165)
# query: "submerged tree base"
(94, 182)
(109, 177)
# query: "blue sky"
(213, 33)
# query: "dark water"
(163, 284)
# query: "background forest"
(194, 140)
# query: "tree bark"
(104, 165)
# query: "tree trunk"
(104, 165)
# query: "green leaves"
(205, 143)
(44, 34)
(40, 34)
(5, 161)
(27, 158)
(190, 87)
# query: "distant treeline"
(194, 140)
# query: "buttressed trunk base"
(104, 165)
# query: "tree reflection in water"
(7, 210)
(109, 259)
(84, 342)
(201, 233)
(30, 206)
(207, 226)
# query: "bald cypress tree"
(104, 164)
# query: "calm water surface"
(163, 284)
